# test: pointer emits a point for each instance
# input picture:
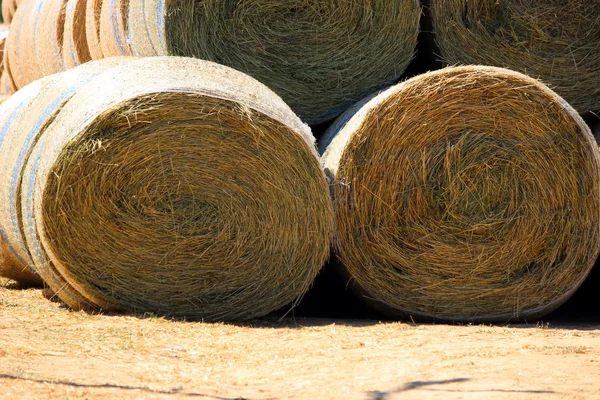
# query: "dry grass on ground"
(47, 351)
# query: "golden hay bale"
(469, 193)
(22, 118)
(319, 56)
(35, 46)
(180, 187)
(75, 46)
(113, 28)
(92, 28)
(557, 41)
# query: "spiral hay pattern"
(319, 56)
(557, 41)
(470, 193)
(191, 192)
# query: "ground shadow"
(432, 386)
(174, 391)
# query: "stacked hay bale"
(319, 56)
(21, 121)
(466, 194)
(556, 41)
(35, 47)
(174, 186)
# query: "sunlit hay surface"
(187, 205)
(470, 193)
(319, 56)
(557, 41)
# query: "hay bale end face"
(202, 195)
(469, 194)
(319, 56)
(556, 41)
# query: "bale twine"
(35, 49)
(557, 41)
(180, 187)
(21, 120)
(92, 28)
(75, 46)
(319, 56)
(113, 24)
(466, 194)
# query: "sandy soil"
(47, 351)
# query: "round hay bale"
(18, 49)
(557, 41)
(319, 56)
(113, 28)
(13, 257)
(92, 28)
(21, 120)
(191, 192)
(35, 49)
(466, 194)
(75, 46)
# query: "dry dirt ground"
(47, 351)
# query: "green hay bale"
(466, 194)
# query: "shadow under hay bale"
(319, 56)
(466, 194)
(179, 187)
(556, 41)
(22, 119)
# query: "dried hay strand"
(35, 48)
(191, 192)
(557, 41)
(466, 194)
(92, 28)
(75, 46)
(319, 56)
(113, 28)
(22, 120)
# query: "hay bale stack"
(93, 11)
(21, 121)
(113, 28)
(180, 187)
(319, 56)
(75, 46)
(556, 41)
(466, 194)
(35, 47)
